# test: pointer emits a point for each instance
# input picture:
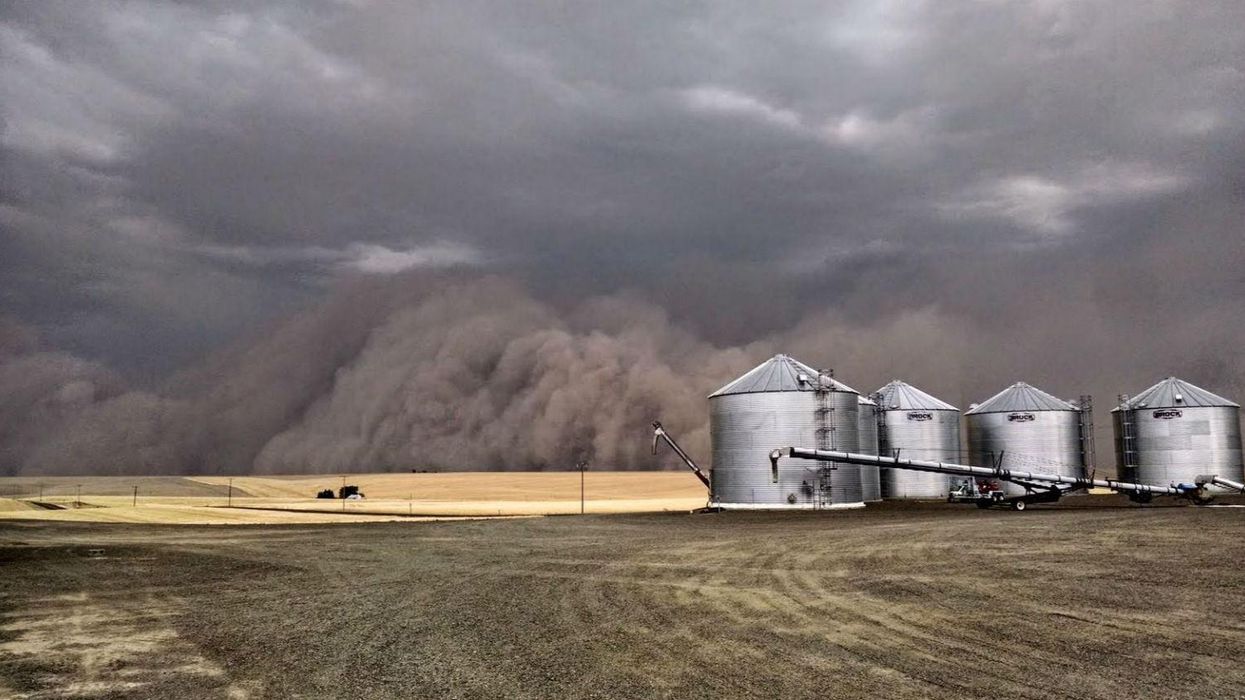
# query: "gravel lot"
(897, 602)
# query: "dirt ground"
(935, 601)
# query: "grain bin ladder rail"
(1041, 487)
(659, 433)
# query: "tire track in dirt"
(88, 644)
(1069, 603)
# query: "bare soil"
(933, 601)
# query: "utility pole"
(135, 503)
(78, 499)
(583, 466)
(343, 493)
(229, 498)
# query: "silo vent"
(1179, 398)
(802, 378)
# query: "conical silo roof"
(866, 401)
(1021, 397)
(1175, 393)
(902, 396)
(781, 373)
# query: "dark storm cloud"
(1046, 190)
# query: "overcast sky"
(173, 174)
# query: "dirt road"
(901, 603)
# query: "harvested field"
(281, 499)
(478, 486)
(447, 508)
(8, 505)
(1084, 600)
(172, 514)
(67, 487)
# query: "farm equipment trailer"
(1039, 487)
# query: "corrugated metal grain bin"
(867, 443)
(919, 426)
(1174, 432)
(1026, 429)
(780, 403)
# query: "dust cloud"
(466, 372)
(395, 374)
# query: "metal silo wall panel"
(744, 428)
(936, 438)
(1176, 445)
(1049, 442)
(870, 477)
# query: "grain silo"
(867, 443)
(1026, 429)
(918, 426)
(781, 403)
(1174, 432)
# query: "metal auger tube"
(1220, 481)
(985, 472)
(659, 433)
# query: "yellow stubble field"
(291, 499)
